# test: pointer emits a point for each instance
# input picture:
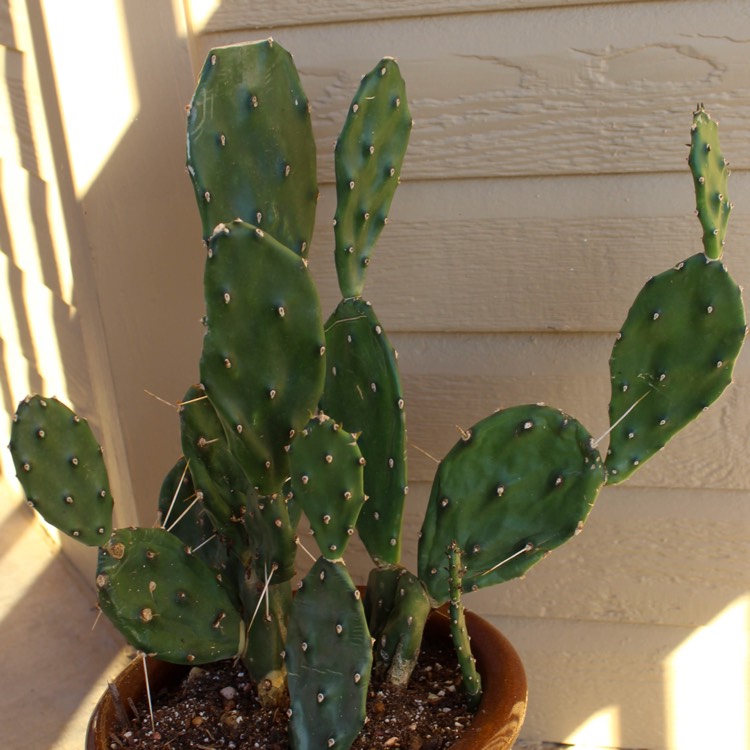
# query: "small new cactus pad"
(263, 353)
(165, 601)
(397, 606)
(673, 357)
(460, 635)
(326, 482)
(710, 175)
(60, 466)
(216, 474)
(369, 153)
(518, 484)
(250, 147)
(363, 392)
(328, 658)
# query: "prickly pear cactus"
(397, 607)
(327, 482)
(215, 473)
(363, 391)
(673, 357)
(710, 175)
(263, 362)
(675, 353)
(328, 657)
(166, 601)
(518, 484)
(250, 147)
(368, 156)
(60, 466)
(467, 663)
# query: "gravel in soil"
(217, 707)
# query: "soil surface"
(217, 707)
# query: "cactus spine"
(293, 416)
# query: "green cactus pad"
(263, 353)
(397, 606)
(184, 515)
(369, 153)
(326, 482)
(710, 175)
(673, 357)
(273, 534)
(164, 600)
(215, 472)
(328, 658)
(363, 392)
(518, 484)
(250, 147)
(60, 466)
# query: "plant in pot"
(296, 415)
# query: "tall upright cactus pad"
(710, 175)
(518, 484)
(673, 357)
(363, 391)
(328, 658)
(368, 157)
(250, 146)
(263, 353)
(165, 601)
(326, 482)
(61, 469)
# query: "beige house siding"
(545, 181)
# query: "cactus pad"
(710, 175)
(369, 153)
(673, 357)
(518, 484)
(215, 472)
(363, 392)
(263, 352)
(165, 601)
(328, 658)
(250, 147)
(327, 466)
(397, 606)
(60, 466)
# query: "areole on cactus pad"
(294, 416)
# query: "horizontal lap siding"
(545, 182)
(238, 14)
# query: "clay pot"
(495, 726)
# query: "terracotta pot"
(495, 726)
